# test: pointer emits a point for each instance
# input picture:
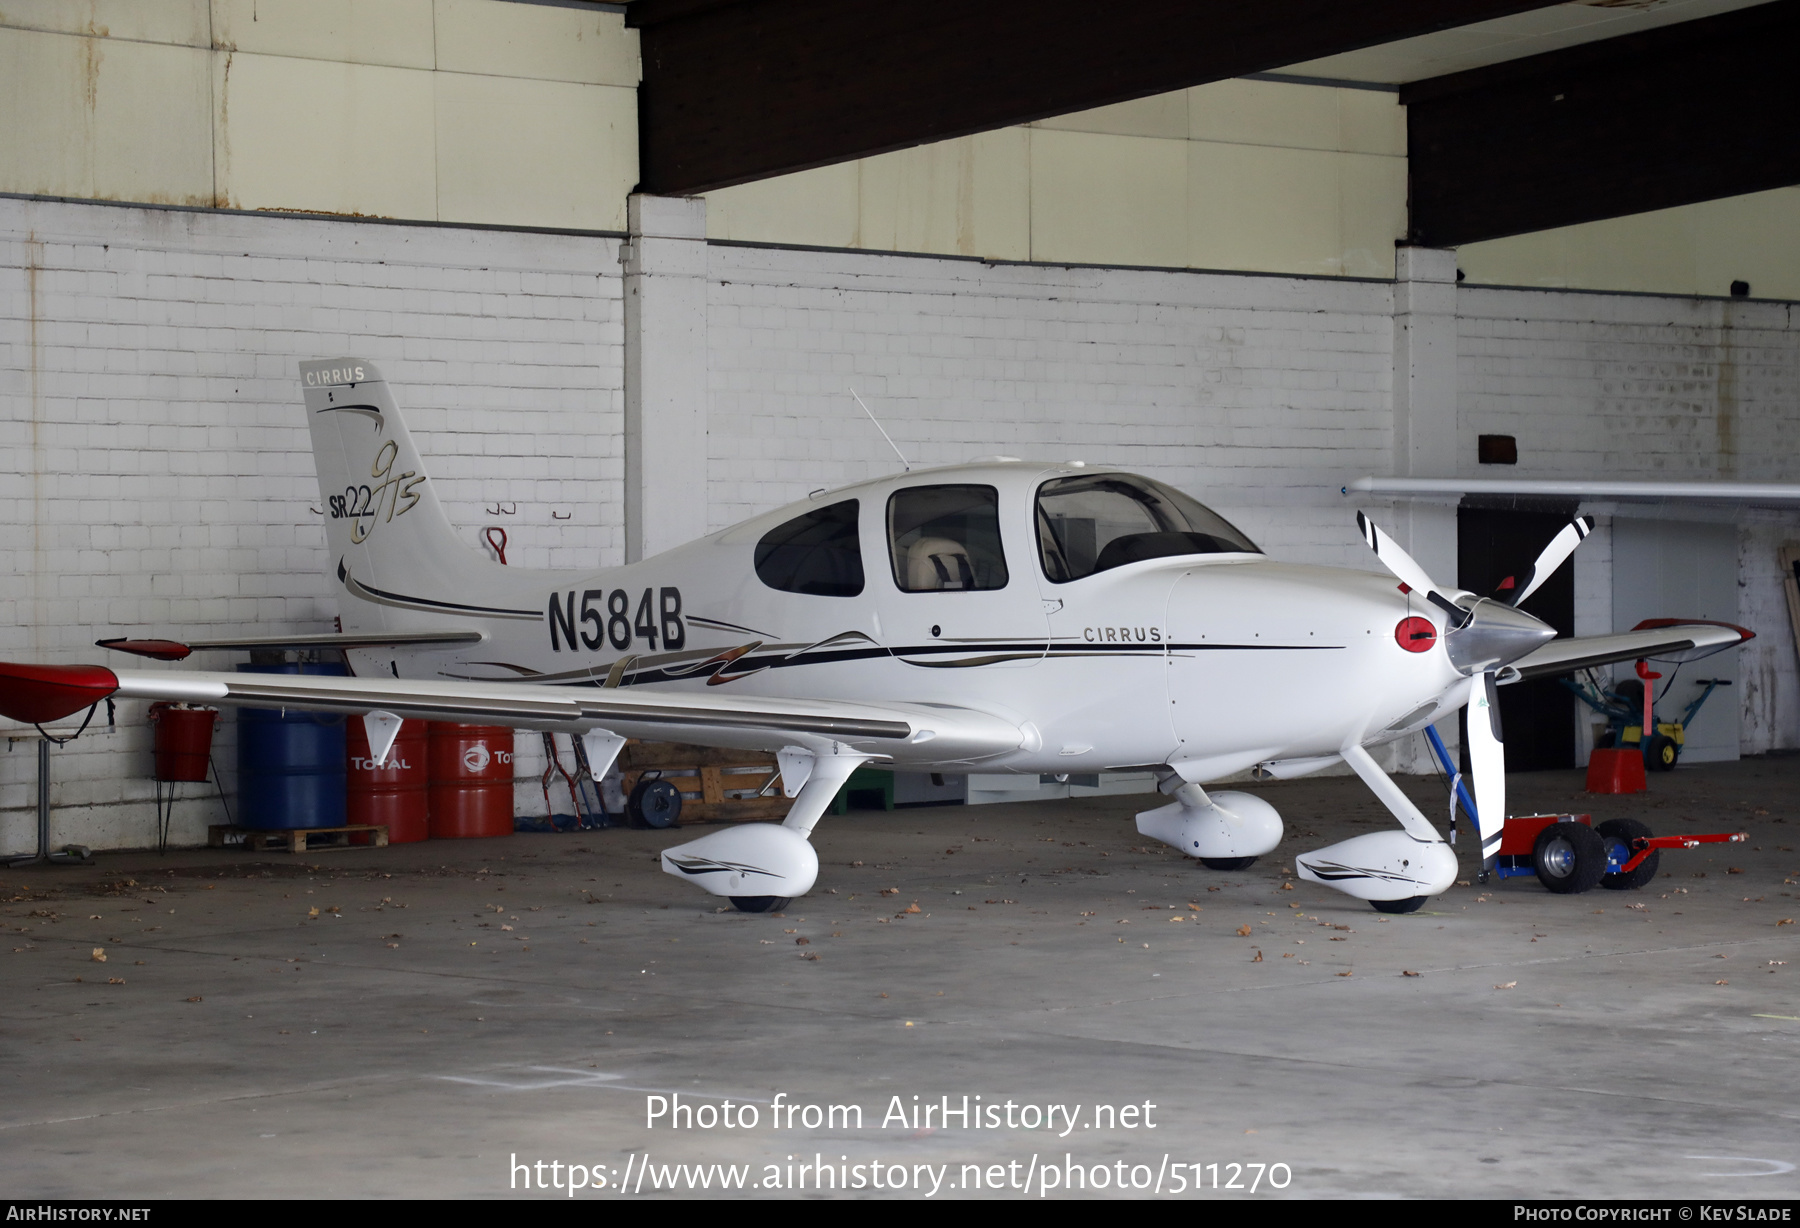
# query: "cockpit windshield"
(1095, 522)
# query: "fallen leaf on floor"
(1508, 985)
(196, 998)
(912, 907)
(1192, 907)
(810, 955)
(890, 891)
(1721, 982)
(1734, 869)
(1243, 931)
(1784, 921)
(312, 912)
(99, 955)
(115, 980)
(803, 942)
(1404, 972)
(1343, 974)
(1258, 959)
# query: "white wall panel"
(500, 163)
(323, 136)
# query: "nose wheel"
(1228, 863)
(1411, 903)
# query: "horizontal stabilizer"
(1664, 639)
(176, 650)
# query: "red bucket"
(471, 780)
(1616, 771)
(395, 793)
(183, 740)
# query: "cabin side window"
(946, 539)
(1096, 522)
(817, 554)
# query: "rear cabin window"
(1096, 522)
(817, 554)
(946, 539)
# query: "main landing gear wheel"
(1569, 858)
(760, 903)
(654, 803)
(1623, 831)
(1411, 903)
(1228, 863)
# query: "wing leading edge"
(1662, 638)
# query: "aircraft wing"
(1665, 639)
(901, 732)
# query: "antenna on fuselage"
(890, 439)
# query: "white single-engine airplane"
(993, 617)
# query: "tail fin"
(392, 548)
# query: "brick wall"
(155, 471)
(1261, 395)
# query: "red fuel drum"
(183, 740)
(394, 794)
(471, 780)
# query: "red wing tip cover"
(37, 694)
(1653, 624)
(156, 650)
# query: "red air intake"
(38, 694)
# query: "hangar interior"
(629, 269)
(1220, 285)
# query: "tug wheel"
(1622, 831)
(1569, 858)
(1228, 863)
(1663, 753)
(1411, 903)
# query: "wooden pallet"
(713, 781)
(298, 839)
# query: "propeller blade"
(1487, 760)
(1407, 570)
(1560, 548)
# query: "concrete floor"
(405, 1042)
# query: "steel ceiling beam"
(736, 90)
(1690, 112)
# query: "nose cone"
(1495, 635)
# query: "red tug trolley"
(1570, 855)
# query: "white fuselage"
(1210, 663)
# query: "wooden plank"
(739, 91)
(710, 788)
(734, 811)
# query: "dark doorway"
(1493, 543)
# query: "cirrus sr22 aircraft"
(992, 617)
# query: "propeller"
(1482, 636)
(1553, 556)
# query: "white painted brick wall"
(1260, 394)
(157, 474)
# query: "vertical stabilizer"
(393, 551)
